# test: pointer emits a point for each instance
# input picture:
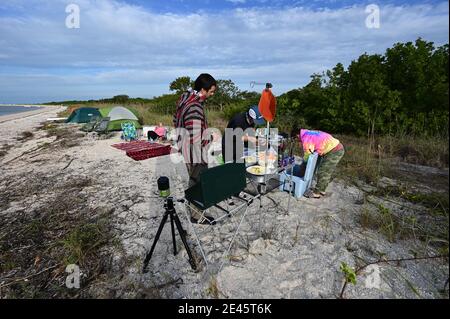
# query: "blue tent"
(83, 115)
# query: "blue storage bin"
(299, 184)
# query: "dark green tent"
(83, 115)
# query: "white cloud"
(129, 49)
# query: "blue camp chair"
(129, 132)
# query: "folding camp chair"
(89, 127)
(102, 126)
(129, 131)
(216, 185)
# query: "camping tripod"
(170, 210)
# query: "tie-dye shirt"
(317, 141)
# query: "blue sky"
(138, 47)
(180, 6)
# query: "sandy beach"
(61, 177)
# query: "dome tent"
(83, 115)
(118, 115)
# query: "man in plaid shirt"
(191, 124)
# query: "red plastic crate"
(140, 155)
(142, 150)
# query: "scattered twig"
(29, 152)
(28, 277)
(68, 164)
(35, 155)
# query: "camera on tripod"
(164, 192)
(164, 186)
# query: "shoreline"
(20, 115)
(26, 105)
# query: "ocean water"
(6, 110)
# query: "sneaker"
(204, 220)
(311, 194)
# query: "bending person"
(330, 152)
(242, 121)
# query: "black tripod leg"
(183, 238)
(173, 235)
(158, 233)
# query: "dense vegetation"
(403, 92)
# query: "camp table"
(216, 185)
(220, 183)
(259, 187)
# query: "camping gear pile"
(142, 150)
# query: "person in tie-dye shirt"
(330, 152)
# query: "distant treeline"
(404, 91)
(119, 99)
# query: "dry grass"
(38, 241)
(418, 216)
(428, 151)
(216, 120)
(213, 289)
(66, 137)
(370, 160)
(148, 116)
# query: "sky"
(138, 47)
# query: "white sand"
(278, 254)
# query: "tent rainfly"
(83, 115)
